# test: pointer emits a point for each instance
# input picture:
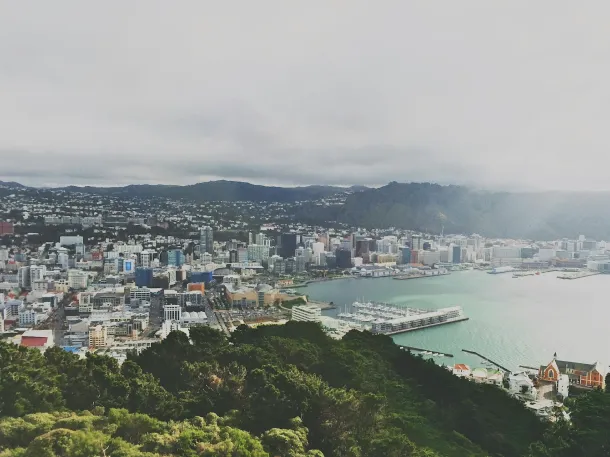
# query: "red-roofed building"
(34, 341)
(461, 369)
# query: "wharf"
(411, 348)
(412, 329)
(581, 274)
(485, 358)
(404, 277)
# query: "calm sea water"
(513, 321)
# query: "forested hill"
(430, 207)
(286, 391)
(219, 191)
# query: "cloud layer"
(291, 93)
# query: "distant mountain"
(219, 190)
(11, 184)
(431, 207)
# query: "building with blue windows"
(144, 277)
(175, 257)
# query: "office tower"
(288, 242)
(457, 254)
(23, 277)
(146, 259)
(250, 238)
(344, 258)
(144, 277)
(36, 273)
(175, 257)
(206, 240)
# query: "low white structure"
(306, 313)
(521, 384)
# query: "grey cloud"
(478, 93)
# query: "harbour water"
(512, 321)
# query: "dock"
(411, 348)
(485, 358)
(418, 276)
(581, 274)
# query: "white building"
(70, 240)
(77, 279)
(28, 318)
(521, 384)
(258, 252)
(172, 312)
(429, 258)
(306, 313)
(145, 258)
(37, 273)
(506, 252)
(461, 369)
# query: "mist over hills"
(417, 206)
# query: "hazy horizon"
(498, 97)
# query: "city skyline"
(470, 93)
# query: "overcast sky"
(313, 92)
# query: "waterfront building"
(306, 313)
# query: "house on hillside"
(579, 374)
(460, 369)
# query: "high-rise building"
(146, 258)
(258, 252)
(206, 240)
(175, 257)
(36, 273)
(23, 277)
(416, 243)
(457, 254)
(261, 239)
(344, 258)
(406, 255)
(242, 254)
(288, 243)
(144, 277)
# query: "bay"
(513, 321)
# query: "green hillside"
(276, 390)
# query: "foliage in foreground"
(120, 433)
(358, 397)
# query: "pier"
(411, 348)
(581, 274)
(485, 358)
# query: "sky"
(498, 95)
